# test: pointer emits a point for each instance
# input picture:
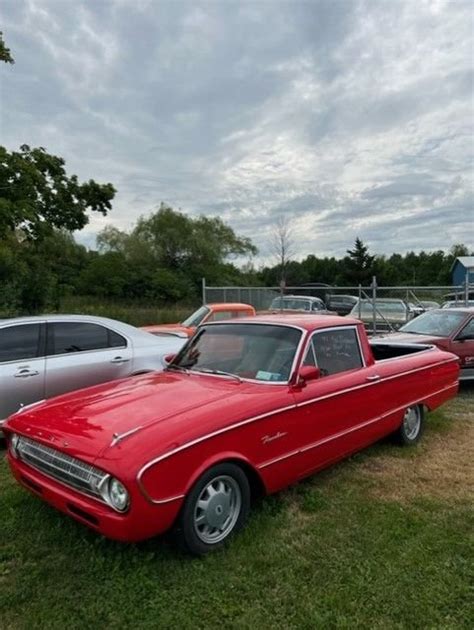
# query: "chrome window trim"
(304, 332)
(344, 327)
(236, 425)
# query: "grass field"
(383, 540)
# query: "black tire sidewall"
(186, 534)
(401, 434)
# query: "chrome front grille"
(60, 466)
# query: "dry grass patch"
(442, 467)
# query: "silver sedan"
(42, 357)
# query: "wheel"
(217, 506)
(411, 429)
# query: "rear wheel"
(216, 508)
(412, 426)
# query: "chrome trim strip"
(370, 384)
(340, 434)
(118, 437)
(231, 427)
(178, 449)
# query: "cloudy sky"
(350, 117)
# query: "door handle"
(25, 373)
(374, 377)
(119, 360)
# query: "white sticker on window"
(268, 376)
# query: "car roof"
(298, 297)
(461, 309)
(226, 306)
(93, 319)
(307, 321)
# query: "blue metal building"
(462, 265)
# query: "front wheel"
(412, 426)
(217, 507)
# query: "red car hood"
(83, 423)
(401, 337)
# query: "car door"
(80, 354)
(463, 346)
(22, 366)
(337, 411)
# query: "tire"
(412, 426)
(215, 509)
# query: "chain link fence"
(381, 308)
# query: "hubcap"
(217, 509)
(412, 422)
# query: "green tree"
(5, 54)
(37, 195)
(358, 265)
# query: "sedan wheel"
(412, 425)
(216, 507)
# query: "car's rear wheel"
(216, 508)
(412, 426)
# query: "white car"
(42, 357)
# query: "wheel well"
(257, 487)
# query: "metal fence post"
(204, 290)
(374, 298)
(466, 289)
(360, 298)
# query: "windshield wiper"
(178, 368)
(218, 372)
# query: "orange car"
(207, 313)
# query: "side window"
(309, 357)
(116, 340)
(468, 329)
(337, 351)
(18, 343)
(68, 337)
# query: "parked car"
(245, 408)
(298, 303)
(204, 314)
(449, 329)
(390, 313)
(341, 304)
(41, 357)
(457, 303)
(429, 304)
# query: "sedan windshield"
(196, 318)
(263, 352)
(436, 323)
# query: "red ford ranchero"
(246, 408)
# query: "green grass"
(327, 553)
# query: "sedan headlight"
(114, 493)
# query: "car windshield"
(435, 323)
(263, 352)
(196, 318)
(294, 304)
(381, 307)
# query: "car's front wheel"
(217, 506)
(411, 429)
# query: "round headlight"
(118, 495)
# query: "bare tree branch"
(283, 244)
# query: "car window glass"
(68, 337)
(309, 357)
(18, 343)
(468, 330)
(337, 351)
(116, 340)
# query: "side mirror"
(169, 358)
(308, 373)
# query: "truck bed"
(383, 351)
